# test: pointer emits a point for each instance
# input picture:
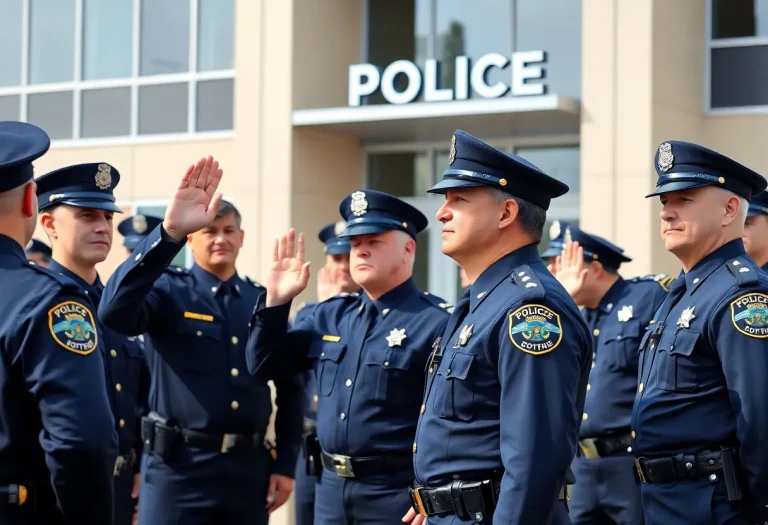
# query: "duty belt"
(159, 436)
(357, 467)
(466, 499)
(593, 448)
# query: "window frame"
(77, 86)
(719, 43)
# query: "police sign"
(367, 79)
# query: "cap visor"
(552, 252)
(449, 184)
(363, 229)
(94, 205)
(676, 186)
(337, 249)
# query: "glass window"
(555, 27)
(400, 174)
(51, 41)
(164, 37)
(216, 35)
(10, 42)
(10, 107)
(107, 39)
(52, 112)
(159, 211)
(739, 76)
(163, 108)
(106, 112)
(739, 18)
(561, 163)
(215, 105)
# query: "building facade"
(303, 101)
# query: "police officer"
(556, 242)
(57, 441)
(699, 421)
(505, 385)
(76, 206)
(756, 230)
(617, 312)
(369, 352)
(331, 277)
(205, 459)
(135, 229)
(38, 252)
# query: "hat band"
(757, 207)
(81, 195)
(730, 183)
(379, 221)
(484, 178)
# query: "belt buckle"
(418, 503)
(342, 465)
(589, 448)
(640, 472)
(119, 465)
(228, 442)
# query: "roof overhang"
(428, 121)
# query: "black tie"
(223, 297)
(459, 313)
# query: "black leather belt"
(358, 467)
(679, 467)
(222, 442)
(159, 437)
(593, 448)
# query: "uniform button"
(386, 363)
(431, 369)
(589, 387)
(448, 371)
(696, 280)
(138, 256)
(342, 416)
(634, 435)
(235, 405)
(199, 333)
(640, 388)
(593, 364)
(315, 398)
(322, 354)
(423, 408)
(118, 387)
(585, 416)
(349, 382)
(596, 332)
(235, 372)
(415, 448)
(122, 423)
(234, 340)
(113, 352)
(384, 312)
(213, 289)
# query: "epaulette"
(662, 279)
(253, 283)
(745, 275)
(438, 302)
(177, 270)
(62, 279)
(527, 281)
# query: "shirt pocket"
(202, 331)
(677, 365)
(619, 345)
(327, 366)
(454, 396)
(385, 375)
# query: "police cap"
(20, 145)
(368, 212)
(81, 185)
(329, 236)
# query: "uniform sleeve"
(289, 424)
(133, 299)
(142, 406)
(543, 373)
(740, 333)
(64, 371)
(272, 349)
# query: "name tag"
(332, 338)
(199, 317)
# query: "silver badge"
(340, 228)
(465, 334)
(395, 337)
(139, 224)
(359, 205)
(686, 317)
(626, 312)
(554, 230)
(666, 159)
(104, 177)
(452, 153)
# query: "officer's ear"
(48, 223)
(29, 200)
(732, 208)
(509, 213)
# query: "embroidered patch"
(535, 329)
(73, 327)
(749, 314)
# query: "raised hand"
(570, 270)
(289, 273)
(195, 203)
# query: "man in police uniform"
(617, 312)
(699, 422)
(369, 352)
(756, 230)
(331, 277)
(76, 206)
(57, 441)
(38, 252)
(506, 383)
(205, 459)
(135, 229)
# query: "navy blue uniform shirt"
(126, 372)
(617, 325)
(195, 350)
(369, 359)
(308, 377)
(704, 369)
(505, 389)
(56, 427)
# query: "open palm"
(195, 203)
(289, 272)
(570, 269)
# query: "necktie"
(223, 297)
(459, 313)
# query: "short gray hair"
(531, 216)
(227, 208)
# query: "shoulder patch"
(749, 314)
(177, 270)
(527, 281)
(73, 327)
(743, 271)
(437, 302)
(535, 329)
